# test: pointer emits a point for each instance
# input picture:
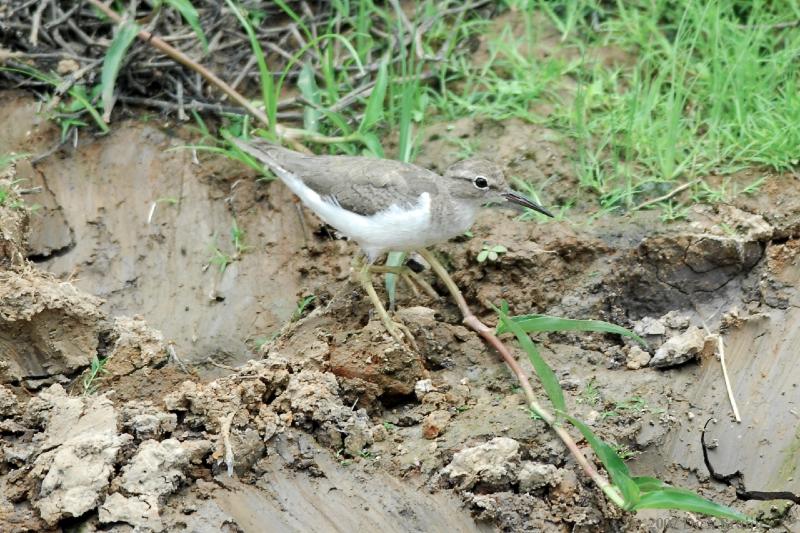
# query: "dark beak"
(516, 198)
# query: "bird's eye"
(481, 182)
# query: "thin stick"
(290, 134)
(186, 61)
(667, 196)
(486, 332)
(721, 347)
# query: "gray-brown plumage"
(388, 205)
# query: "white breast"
(396, 228)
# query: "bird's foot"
(414, 281)
(400, 333)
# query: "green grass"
(703, 88)
(91, 381)
(692, 88)
(631, 493)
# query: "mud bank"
(330, 425)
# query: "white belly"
(398, 228)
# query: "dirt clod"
(493, 466)
(680, 349)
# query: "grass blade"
(373, 144)
(78, 93)
(189, 14)
(373, 113)
(539, 323)
(546, 375)
(393, 259)
(310, 91)
(686, 500)
(267, 83)
(125, 35)
(406, 140)
(615, 466)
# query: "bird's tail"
(264, 152)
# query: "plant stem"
(291, 135)
(488, 334)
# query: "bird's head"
(483, 181)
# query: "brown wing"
(363, 185)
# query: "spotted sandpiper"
(387, 205)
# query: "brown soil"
(331, 426)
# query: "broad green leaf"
(373, 112)
(308, 88)
(189, 13)
(648, 484)
(126, 33)
(543, 370)
(686, 500)
(482, 255)
(537, 323)
(620, 475)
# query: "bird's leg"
(399, 271)
(440, 271)
(395, 330)
(409, 276)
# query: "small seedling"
(222, 260)
(90, 381)
(340, 456)
(492, 253)
(302, 306)
(671, 211)
(590, 394)
(237, 238)
(635, 404)
(624, 451)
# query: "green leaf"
(79, 94)
(537, 323)
(373, 112)
(189, 13)
(483, 255)
(268, 92)
(295, 17)
(543, 370)
(620, 475)
(492, 255)
(393, 259)
(675, 498)
(648, 484)
(126, 33)
(308, 88)
(373, 144)
(406, 139)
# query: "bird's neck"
(454, 216)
